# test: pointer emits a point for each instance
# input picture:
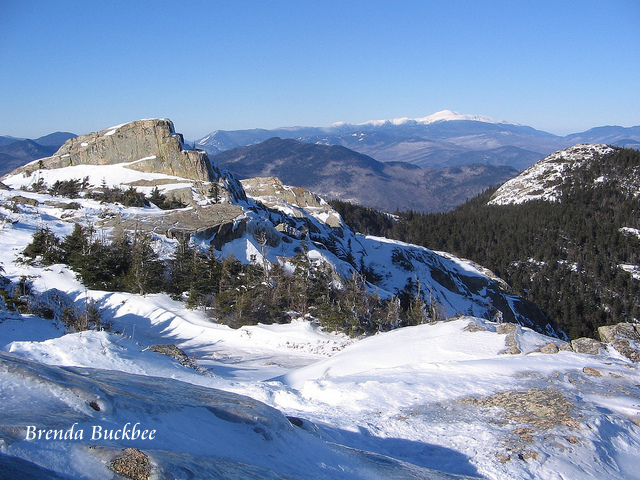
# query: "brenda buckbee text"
(127, 432)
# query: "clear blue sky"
(81, 66)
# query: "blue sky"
(81, 66)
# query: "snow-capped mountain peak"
(441, 116)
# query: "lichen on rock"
(542, 408)
(132, 463)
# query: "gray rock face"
(543, 409)
(549, 348)
(148, 145)
(272, 187)
(271, 192)
(204, 221)
(475, 327)
(586, 345)
(510, 342)
(565, 347)
(626, 348)
(132, 463)
(177, 353)
(630, 331)
(506, 328)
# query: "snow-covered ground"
(407, 395)
(292, 401)
(404, 395)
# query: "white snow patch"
(630, 231)
(542, 181)
(634, 270)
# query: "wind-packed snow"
(112, 130)
(435, 401)
(401, 394)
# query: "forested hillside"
(574, 258)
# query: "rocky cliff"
(145, 145)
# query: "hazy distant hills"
(55, 139)
(619, 136)
(6, 140)
(15, 152)
(336, 172)
(440, 140)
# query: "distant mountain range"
(15, 152)
(443, 139)
(336, 172)
(428, 164)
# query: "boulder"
(23, 200)
(630, 331)
(510, 342)
(624, 337)
(178, 354)
(474, 327)
(511, 345)
(132, 463)
(565, 347)
(586, 345)
(549, 348)
(506, 328)
(625, 348)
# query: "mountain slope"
(148, 154)
(611, 135)
(55, 139)
(563, 234)
(548, 179)
(6, 140)
(337, 172)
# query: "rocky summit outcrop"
(545, 179)
(271, 192)
(267, 188)
(145, 145)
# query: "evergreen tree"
(46, 245)
(146, 272)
